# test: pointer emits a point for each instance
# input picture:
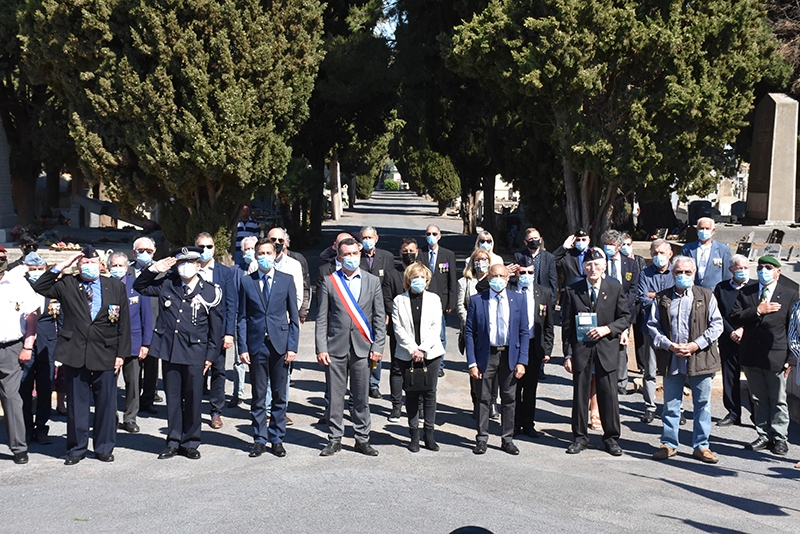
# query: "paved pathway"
(542, 490)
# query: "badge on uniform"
(54, 308)
(133, 300)
(167, 303)
(113, 313)
(16, 306)
(628, 277)
(717, 262)
(542, 310)
(380, 273)
(444, 267)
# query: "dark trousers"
(269, 370)
(395, 374)
(148, 380)
(639, 345)
(426, 398)
(10, 377)
(475, 392)
(731, 379)
(130, 374)
(497, 366)
(38, 373)
(84, 385)
(216, 395)
(525, 412)
(183, 387)
(607, 400)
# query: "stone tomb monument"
(773, 172)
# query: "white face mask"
(187, 270)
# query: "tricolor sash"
(353, 309)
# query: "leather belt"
(504, 348)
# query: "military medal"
(113, 313)
(16, 306)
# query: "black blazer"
(765, 340)
(444, 274)
(382, 263)
(568, 260)
(542, 334)
(726, 296)
(630, 283)
(546, 275)
(612, 311)
(81, 341)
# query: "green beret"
(770, 260)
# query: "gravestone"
(725, 197)
(772, 249)
(8, 217)
(772, 184)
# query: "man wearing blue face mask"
(569, 256)
(711, 257)
(684, 324)
(143, 250)
(442, 263)
(726, 294)
(764, 310)
(93, 343)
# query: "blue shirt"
(354, 283)
(652, 281)
(97, 295)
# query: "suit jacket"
(546, 275)
(630, 283)
(279, 317)
(141, 311)
(476, 331)
(335, 332)
(188, 329)
(83, 342)
(541, 332)
(444, 274)
(718, 260)
(382, 263)
(47, 324)
(765, 339)
(612, 311)
(568, 260)
(430, 326)
(226, 281)
(303, 311)
(726, 296)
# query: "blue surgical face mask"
(742, 275)
(660, 261)
(497, 284)
(207, 254)
(626, 250)
(525, 280)
(581, 245)
(144, 258)
(90, 271)
(418, 285)
(34, 275)
(486, 246)
(766, 276)
(432, 240)
(351, 263)
(610, 250)
(684, 281)
(704, 235)
(249, 255)
(265, 263)
(118, 272)
(368, 244)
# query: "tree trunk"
(23, 191)
(351, 193)
(573, 197)
(488, 223)
(53, 190)
(317, 212)
(468, 211)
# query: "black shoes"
(73, 460)
(41, 435)
(331, 448)
(510, 448)
(727, 421)
(759, 444)
(148, 409)
(613, 449)
(394, 417)
(190, 453)
(375, 393)
(441, 372)
(780, 447)
(494, 413)
(108, 458)
(648, 417)
(21, 458)
(278, 450)
(682, 422)
(413, 444)
(167, 453)
(365, 448)
(130, 426)
(480, 448)
(430, 443)
(622, 390)
(234, 402)
(257, 450)
(576, 447)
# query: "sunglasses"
(207, 247)
(144, 250)
(485, 241)
(277, 239)
(767, 267)
(432, 233)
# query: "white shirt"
(770, 291)
(703, 255)
(17, 301)
(498, 338)
(617, 269)
(292, 267)
(530, 301)
(207, 272)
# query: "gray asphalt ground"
(541, 490)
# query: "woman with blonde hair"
(485, 241)
(417, 320)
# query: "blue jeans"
(671, 414)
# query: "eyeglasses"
(277, 239)
(485, 241)
(767, 267)
(432, 233)
(145, 250)
(207, 247)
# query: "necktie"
(369, 260)
(614, 269)
(594, 298)
(89, 296)
(185, 291)
(266, 289)
(501, 321)
(764, 294)
(431, 261)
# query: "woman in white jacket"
(417, 319)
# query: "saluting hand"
(165, 264)
(598, 332)
(766, 308)
(69, 261)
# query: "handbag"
(417, 379)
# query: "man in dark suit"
(330, 263)
(187, 338)
(496, 338)
(764, 309)
(542, 261)
(143, 249)
(350, 333)
(378, 262)
(444, 282)
(606, 301)
(269, 329)
(710, 256)
(539, 305)
(569, 256)
(92, 345)
(223, 277)
(726, 294)
(141, 313)
(625, 271)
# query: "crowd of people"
(688, 316)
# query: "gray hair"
(683, 259)
(709, 219)
(657, 243)
(117, 255)
(368, 229)
(249, 240)
(150, 239)
(613, 236)
(286, 237)
(202, 235)
(737, 258)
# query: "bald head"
(498, 270)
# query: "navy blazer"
(542, 331)
(726, 296)
(715, 273)
(47, 325)
(476, 330)
(444, 276)
(225, 280)
(630, 283)
(141, 311)
(257, 317)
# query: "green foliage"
(365, 185)
(443, 184)
(180, 227)
(391, 185)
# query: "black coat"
(543, 334)
(546, 275)
(444, 275)
(726, 296)
(382, 263)
(81, 341)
